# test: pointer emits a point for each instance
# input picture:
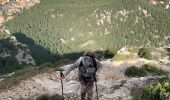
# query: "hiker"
(88, 71)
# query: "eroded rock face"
(4, 54)
(21, 53)
(24, 56)
(119, 87)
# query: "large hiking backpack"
(87, 68)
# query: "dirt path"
(112, 84)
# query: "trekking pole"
(61, 74)
(96, 89)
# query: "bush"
(145, 53)
(48, 97)
(157, 91)
(121, 57)
(154, 70)
(142, 71)
(109, 53)
(135, 71)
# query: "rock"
(24, 56)
(13, 39)
(9, 18)
(154, 2)
(6, 30)
(9, 99)
(167, 6)
(162, 2)
(4, 1)
(1, 19)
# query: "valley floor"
(112, 84)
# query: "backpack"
(87, 68)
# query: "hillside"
(131, 38)
(65, 27)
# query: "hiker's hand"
(62, 77)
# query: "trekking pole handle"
(61, 74)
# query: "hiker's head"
(89, 53)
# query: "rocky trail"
(112, 84)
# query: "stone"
(4, 1)
(167, 6)
(154, 2)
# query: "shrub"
(44, 97)
(3, 35)
(142, 71)
(153, 70)
(121, 57)
(135, 71)
(48, 97)
(157, 91)
(145, 53)
(109, 53)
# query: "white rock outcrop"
(23, 56)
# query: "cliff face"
(10, 48)
(13, 53)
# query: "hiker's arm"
(75, 65)
(99, 66)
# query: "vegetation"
(122, 57)
(24, 74)
(157, 91)
(144, 70)
(48, 97)
(135, 71)
(145, 53)
(65, 27)
(154, 70)
(109, 53)
(3, 35)
(8, 63)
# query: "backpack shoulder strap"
(94, 63)
(81, 64)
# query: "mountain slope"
(64, 27)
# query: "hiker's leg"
(90, 90)
(83, 89)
